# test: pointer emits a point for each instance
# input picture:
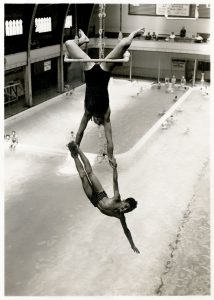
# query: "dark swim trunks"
(97, 196)
(96, 96)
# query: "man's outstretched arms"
(115, 179)
(128, 234)
(122, 217)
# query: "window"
(68, 22)
(203, 66)
(43, 24)
(13, 27)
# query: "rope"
(120, 17)
(101, 15)
(102, 146)
(120, 36)
(76, 27)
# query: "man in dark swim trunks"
(113, 207)
(97, 78)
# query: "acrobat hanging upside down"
(97, 77)
(112, 207)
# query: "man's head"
(128, 205)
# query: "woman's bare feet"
(79, 41)
(83, 38)
(139, 32)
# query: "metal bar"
(60, 65)
(130, 68)
(11, 85)
(158, 67)
(67, 60)
(194, 72)
(27, 69)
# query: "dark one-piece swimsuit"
(96, 96)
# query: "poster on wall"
(47, 65)
(180, 10)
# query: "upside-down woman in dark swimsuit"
(97, 78)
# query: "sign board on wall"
(173, 10)
(180, 10)
(47, 65)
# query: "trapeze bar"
(125, 59)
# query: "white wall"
(158, 24)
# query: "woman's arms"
(86, 117)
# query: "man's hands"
(135, 249)
(112, 162)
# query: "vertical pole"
(194, 72)
(130, 67)
(27, 75)
(60, 77)
(28, 85)
(158, 67)
(60, 62)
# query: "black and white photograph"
(106, 148)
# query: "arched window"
(68, 22)
(43, 24)
(13, 27)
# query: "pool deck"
(57, 244)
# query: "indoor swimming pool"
(56, 242)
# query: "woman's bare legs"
(74, 50)
(120, 49)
